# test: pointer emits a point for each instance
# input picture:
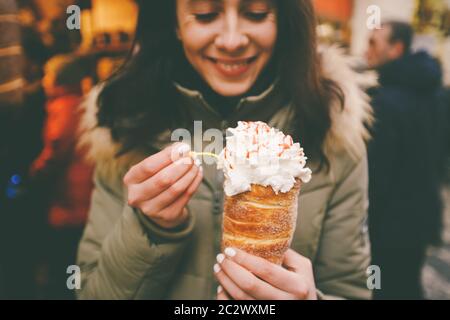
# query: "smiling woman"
(227, 55)
(228, 43)
(155, 220)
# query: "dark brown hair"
(400, 32)
(138, 101)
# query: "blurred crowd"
(45, 183)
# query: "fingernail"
(220, 258)
(230, 252)
(198, 162)
(217, 268)
(219, 289)
(201, 169)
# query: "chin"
(231, 89)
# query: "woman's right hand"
(162, 185)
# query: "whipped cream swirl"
(258, 154)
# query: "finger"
(300, 265)
(158, 183)
(167, 197)
(221, 294)
(250, 284)
(294, 261)
(229, 286)
(271, 273)
(196, 183)
(153, 164)
(172, 212)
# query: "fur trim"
(100, 147)
(349, 126)
(348, 131)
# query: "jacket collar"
(260, 107)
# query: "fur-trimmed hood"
(348, 131)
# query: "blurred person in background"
(445, 99)
(25, 199)
(405, 160)
(60, 164)
(447, 109)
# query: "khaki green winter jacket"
(123, 255)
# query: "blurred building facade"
(108, 24)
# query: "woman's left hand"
(246, 277)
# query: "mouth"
(232, 67)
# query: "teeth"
(232, 66)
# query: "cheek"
(194, 39)
(381, 52)
(265, 37)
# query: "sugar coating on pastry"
(258, 154)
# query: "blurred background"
(46, 69)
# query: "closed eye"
(206, 17)
(256, 16)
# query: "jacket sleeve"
(344, 251)
(120, 248)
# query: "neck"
(189, 78)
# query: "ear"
(397, 50)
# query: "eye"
(256, 16)
(206, 17)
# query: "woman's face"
(228, 42)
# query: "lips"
(232, 67)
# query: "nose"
(231, 38)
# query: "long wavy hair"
(138, 101)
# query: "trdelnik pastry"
(264, 170)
